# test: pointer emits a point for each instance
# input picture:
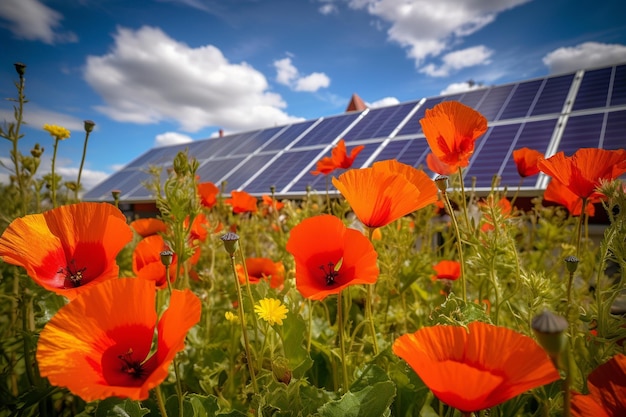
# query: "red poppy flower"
(208, 193)
(583, 171)
(242, 202)
(339, 159)
(329, 257)
(450, 270)
(607, 391)
(476, 369)
(148, 227)
(147, 261)
(270, 205)
(386, 191)
(67, 248)
(558, 193)
(262, 269)
(526, 161)
(438, 167)
(99, 345)
(451, 129)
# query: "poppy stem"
(340, 331)
(583, 215)
(244, 327)
(463, 201)
(80, 169)
(53, 180)
(160, 402)
(368, 303)
(249, 292)
(459, 244)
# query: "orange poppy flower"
(329, 257)
(526, 161)
(607, 391)
(339, 159)
(262, 269)
(438, 167)
(386, 191)
(242, 202)
(558, 193)
(148, 227)
(583, 171)
(451, 129)
(208, 193)
(270, 205)
(476, 369)
(68, 248)
(99, 345)
(147, 261)
(450, 270)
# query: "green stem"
(368, 304)
(459, 244)
(53, 181)
(244, 329)
(463, 202)
(249, 291)
(340, 331)
(179, 387)
(80, 169)
(160, 401)
(583, 214)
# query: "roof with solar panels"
(564, 112)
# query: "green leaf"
(204, 405)
(293, 333)
(172, 407)
(373, 401)
(116, 407)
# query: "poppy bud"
(550, 331)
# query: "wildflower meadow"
(402, 293)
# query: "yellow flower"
(58, 132)
(271, 310)
(231, 317)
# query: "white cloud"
(454, 61)
(328, 8)
(287, 74)
(148, 77)
(171, 138)
(33, 21)
(387, 101)
(584, 55)
(88, 178)
(428, 28)
(456, 88)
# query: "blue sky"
(156, 72)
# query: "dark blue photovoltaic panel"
(153, 156)
(233, 142)
(124, 181)
(327, 130)
(581, 132)
(257, 142)
(615, 133)
(412, 126)
(618, 97)
(253, 165)
(553, 95)
(492, 148)
(215, 169)
(208, 148)
(593, 89)
(318, 182)
(534, 135)
(286, 137)
(140, 192)
(473, 98)
(521, 100)
(492, 104)
(379, 122)
(410, 151)
(281, 171)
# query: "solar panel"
(556, 113)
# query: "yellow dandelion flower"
(231, 317)
(271, 310)
(58, 132)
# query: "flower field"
(400, 295)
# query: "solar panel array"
(565, 112)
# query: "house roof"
(564, 112)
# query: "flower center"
(131, 367)
(73, 275)
(330, 274)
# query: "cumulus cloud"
(148, 77)
(387, 101)
(33, 21)
(454, 61)
(456, 88)
(328, 8)
(287, 74)
(427, 28)
(171, 138)
(584, 55)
